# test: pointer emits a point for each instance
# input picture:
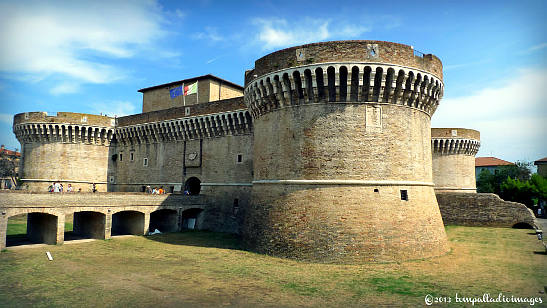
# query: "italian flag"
(191, 89)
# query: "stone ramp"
(482, 209)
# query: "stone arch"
(320, 83)
(191, 219)
(165, 220)
(309, 84)
(41, 228)
(366, 84)
(298, 85)
(128, 222)
(331, 83)
(287, 88)
(89, 224)
(192, 186)
(377, 84)
(388, 85)
(354, 87)
(343, 85)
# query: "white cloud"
(210, 33)
(114, 108)
(276, 33)
(74, 39)
(65, 88)
(537, 47)
(6, 118)
(512, 118)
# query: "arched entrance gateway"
(192, 186)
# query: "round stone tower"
(454, 151)
(342, 153)
(71, 148)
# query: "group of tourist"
(58, 187)
(155, 190)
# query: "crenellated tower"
(454, 151)
(71, 148)
(342, 153)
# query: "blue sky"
(93, 56)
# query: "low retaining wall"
(482, 210)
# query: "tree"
(7, 169)
(488, 182)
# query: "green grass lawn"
(208, 269)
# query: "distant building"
(491, 164)
(542, 166)
(9, 182)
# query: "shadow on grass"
(199, 239)
(540, 253)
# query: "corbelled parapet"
(234, 122)
(454, 151)
(355, 71)
(71, 148)
(65, 127)
(342, 153)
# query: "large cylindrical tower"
(71, 148)
(342, 153)
(454, 151)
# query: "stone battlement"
(64, 118)
(344, 82)
(352, 51)
(455, 141)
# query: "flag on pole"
(191, 89)
(175, 92)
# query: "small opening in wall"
(145, 162)
(131, 156)
(376, 190)
(236, 207)
(121, 156)
(404, 194)
(239, 158)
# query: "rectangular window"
(131, 156)
(121, 156)
(145, 162)
(404, 194)
(239, 158)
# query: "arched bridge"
(99, 215)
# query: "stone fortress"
(326, 154)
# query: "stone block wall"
(482, 210)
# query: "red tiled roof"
(9, 152)
(541, 161)
(490, 161)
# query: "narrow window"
(239, 158)
(404, 194)
(376, 190)
(121, 156)
(145, 162)
(131, 156)
(236, 207)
